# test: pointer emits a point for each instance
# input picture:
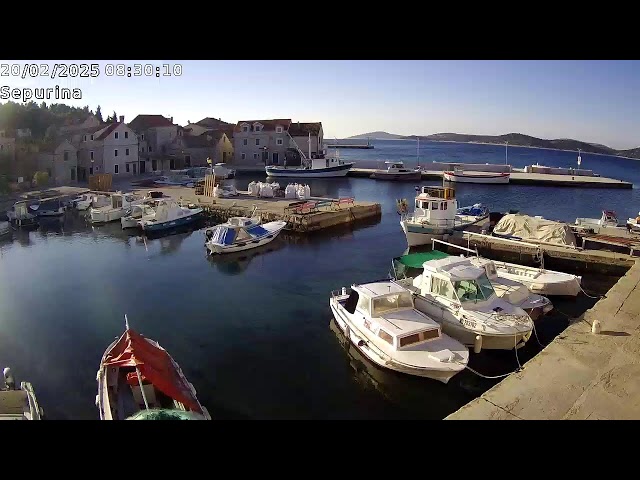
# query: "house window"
(142, 137)
(244, 142)
(257, 128)
(126, 167)
(126, 152)
(91, 155)
(257, 141)
(278, 129)
(126, 134)
(66, 156)
(91, 137)
(85, 138)
(154, 165)
(115, 135)
(149, 148)
(243, 156)
(255, 156)
(90, 170)
(279, 141)
(172, 164)
(187, 160)
(115, 167)
(245, 128)
(115, 153)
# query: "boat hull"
(399, 176)
(107, 216)
(178, 222)
(283, 172)
(440, 375)
(476, 177)
(422, 234)
(217, 249)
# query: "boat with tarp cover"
(241, 233)
(136, 374)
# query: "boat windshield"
(387, 303)
(477, 290)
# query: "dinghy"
(136, 375)
(380, 320)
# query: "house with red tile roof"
(156, 133)
(267, 142)
(193, 150)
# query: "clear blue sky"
(593, 101)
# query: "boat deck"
(13, 403)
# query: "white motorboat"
(138, 377)
(18, 404)
(633, 224)
(87, 200)
(460, 296)
(396, 171)
(168, 214)
(241, 233)
(5, 228)
(380, 320)
(117, 208)
(435, 215)
(133, 216)
(461, 176)
(607, 224)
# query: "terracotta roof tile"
(268, 125)
(299, 129)
(142, 122)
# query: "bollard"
(477, 344)
(595, 327)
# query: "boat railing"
(438, 222)
(434, 240)
(341, 292)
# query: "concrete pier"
(326, 215)
(579, 375)
(521, 178)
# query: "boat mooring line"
(597, 296)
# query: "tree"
(41, 178)
(115, 117)
(99, 114)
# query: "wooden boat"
(380, 320)
(397, 171)
(18, 404)
(137, 374)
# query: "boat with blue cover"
(168, 215)
(241, 233)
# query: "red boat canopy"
(155, 366)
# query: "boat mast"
(418, 152)
(579, 158)
(144, 397)
(506, 153)
(309, 142)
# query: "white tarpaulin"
(536, 229)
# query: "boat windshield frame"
(378, 309)
(483, 289)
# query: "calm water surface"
(252, 332)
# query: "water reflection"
(237, 262)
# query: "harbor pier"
(589, 371)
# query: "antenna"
(126, 321)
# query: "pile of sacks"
(260, 189)
(295, 190)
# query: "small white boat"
(117, 208)
(87, 200)
(241, 233)
(633, 224)
(607, 224)
(5, 228)
(137, 375)
(460, 296)
(133, 216)
(168, 214)
(18, 404)
(459, 175)
(380, 320)
(435, 214)
(397, 171)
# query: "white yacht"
(116, 209)
(460, 296)
(436, 214)
(380, 320)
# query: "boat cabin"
(388, 312)
(326, 162)
(436, 205)
(119, 200)
(455, 280)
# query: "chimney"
(121, 118)
(171, 119)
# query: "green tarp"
(416, 260)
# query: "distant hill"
(377, 136)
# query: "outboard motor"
(9, 382)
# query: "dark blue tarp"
(223, 236)
(257, 231)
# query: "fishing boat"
(48, 208)
(461, 176)
(435, 215)
(396, 171)
(460, 296)
(5, 229)
(18, 403)
(20, 216)
(633, 224)
(137, 375)
(116, 209)
(381, 321)
(241, 233)
(168, 214)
